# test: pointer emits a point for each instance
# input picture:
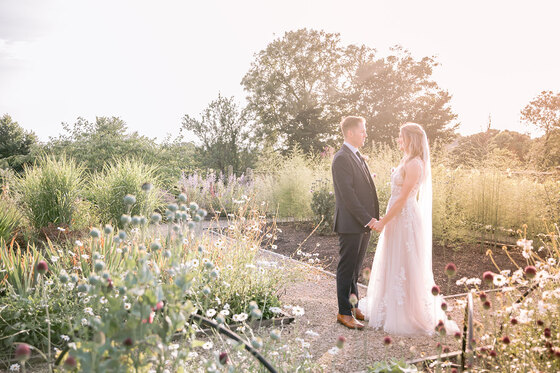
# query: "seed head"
(530, 272)
(42, 267)
(435, 290)
(450, 270)
(488, 277)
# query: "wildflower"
(275, 309)
(487, 305)
(108, 229)
(256, 342)
(387, 340)
(435, 290)
(340, 341)
(506, 340)
(499, 280)
(42, 267)
(482, 296)
(128, 342)
(450, 270)
(78, 243)
(444, 306)
(146, 187)
(547, 333)
(514, 321)
(99, 265)
(298, 311)
(473, 281)
(23, 352)
(65, 338)
(274, 247)
(129, 200)
(155, 218)
(122, 235)
(94, 233)
(353, 300)
(211, 312)
(488, 277)
(240, 317)
(461, 281)
(14, 368)
(275, 334)
(530, 272)
(551, 262)
(457, 335)
(223, 358)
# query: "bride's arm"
(412, 174)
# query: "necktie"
(362, 162)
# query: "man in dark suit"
(356, 210)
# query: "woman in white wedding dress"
(399, 296)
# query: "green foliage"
(323, 205)
(51, 192)
(93, 145)
(10, 219)
(223, 132)
(19, 267)
(108, 188)
(16, 144)
(301, 85)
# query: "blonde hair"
(413, 135)
(350, 122)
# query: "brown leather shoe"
(349, 321)
(358, 314)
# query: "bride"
(399, 295)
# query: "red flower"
(340, 341)
(223, 358)
(530, 271)
(482, 296)
(70, 363)
(23, 352)
(547, 333)
(444, 306)
(540, 322)
(457, 335)
(42, 267)
(159, 306)
(493, 353)
(435, 290)
(514, 321)
(487, 305)
(387, 340)
(450, 269)
(506, 340)
(128, 342)
(488, 277)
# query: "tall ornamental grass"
(122, 177)
(51, 191)
(10, 219)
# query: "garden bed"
(471, 259)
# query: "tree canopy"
(16, 144)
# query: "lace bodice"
(397, 180)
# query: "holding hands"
(375, 224)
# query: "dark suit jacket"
(356, 198)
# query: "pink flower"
(450, 269)
(530, 271)
(23, 352)
(42, 267)
(70, 363)
(488, 277)
(340, 341)
(159, 306)
(435, 290)
(223, 358)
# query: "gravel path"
(316, 292)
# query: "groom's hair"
(350, 122)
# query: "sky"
(150, 63)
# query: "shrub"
(108, 188)
(323, 205)
(50, 192)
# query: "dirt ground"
(471, 259)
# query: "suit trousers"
(353, 248)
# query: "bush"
(10, 219)
(108, 188)
(323, 205)
(51, 192)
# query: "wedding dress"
(399, 295)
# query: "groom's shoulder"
(339, 155)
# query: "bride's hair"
(413, 135)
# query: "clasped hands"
(375, 224)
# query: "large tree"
(544, 113)
(301, 85)
(222, 131)
(293, 90)
(16, 144)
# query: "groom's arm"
(343, 178)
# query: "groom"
(356, 210)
